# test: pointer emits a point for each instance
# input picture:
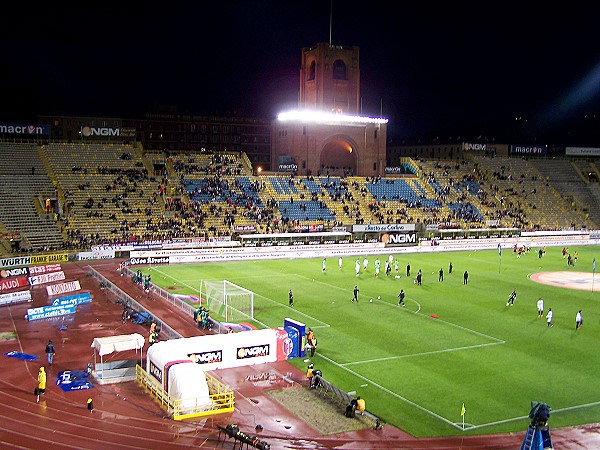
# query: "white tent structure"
(179, 375)
(187, 382)
(179, 365)
(110, 344)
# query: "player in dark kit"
(401, 297)
(355, 298)
(512, 298)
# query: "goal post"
(228, 300)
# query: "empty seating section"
(284, 186)
(20, 159)
(274, 181)
(312, 186)
(525, 195)
(298, 201)
(584, 168)
(567, 179)
(419, 188)
(107, 193)
(400, 190)
(305, 211)
(24, 188)
(409, 168)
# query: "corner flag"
(594, 265)
(462, 410)
(499, 250)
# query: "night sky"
(433, 68)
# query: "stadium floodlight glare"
(327, 118)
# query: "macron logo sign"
(11, 128)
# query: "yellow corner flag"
(462, 410)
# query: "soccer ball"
(379, 297)
(371, 300)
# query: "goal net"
(228, 300)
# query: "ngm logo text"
(252, 352)
(207, 357)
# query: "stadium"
(107, 236)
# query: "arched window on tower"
(339, 70)
(311, 71)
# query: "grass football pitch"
(452, 344)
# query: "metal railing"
(220, 399)
(166, 331)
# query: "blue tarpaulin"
(73, 380)
(20, 355)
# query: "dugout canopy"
(110, 344)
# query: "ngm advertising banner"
(16, 272)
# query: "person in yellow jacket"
(41, 389)
(360, 405)
(153, 339)
(310, 374)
